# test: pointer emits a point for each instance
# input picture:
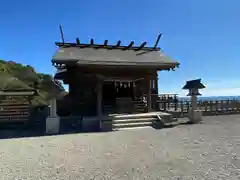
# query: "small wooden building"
(106, 79)
(15, 105)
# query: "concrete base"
(90, 124)
(195, 116)
(52, 125)
(107, 126)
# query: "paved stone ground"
(204, 151)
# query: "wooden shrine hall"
(105, 79)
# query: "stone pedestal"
(53, 121)
(195, 116)
(91, 124)
(194, 102)
(52, 125)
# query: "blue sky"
(203, 36)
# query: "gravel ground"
(203, 151)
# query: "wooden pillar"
(134, 90)
(155, 100)
(149, 100)
(99, 98)
(156, 82)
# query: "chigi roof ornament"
(105, 45)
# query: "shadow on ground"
(23, 131)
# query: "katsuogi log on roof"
(112, 55)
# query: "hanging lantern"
(129, 84)
(115, 84)
(120, 84)
(125, 85)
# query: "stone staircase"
(132, 121)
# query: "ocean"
(212, 98)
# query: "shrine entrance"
(117, 95)
(114, 90)
(109, 93)
(124, 90)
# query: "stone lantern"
(193, 86)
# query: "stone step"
(119, 121)
(131, 125)
(132, 128)
(130, 116)
(140, 120)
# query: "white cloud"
(225, 87)
(221, 92)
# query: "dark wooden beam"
(77, 41)
(61, 31)
(141, 46)
(156, 43)
(82, 45)
(92, 42)
(105, 42)
(154, 47)
(129, 46)
(118, 43)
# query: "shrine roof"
(112, 55)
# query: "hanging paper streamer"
(134, 85)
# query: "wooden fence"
(181, 108)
